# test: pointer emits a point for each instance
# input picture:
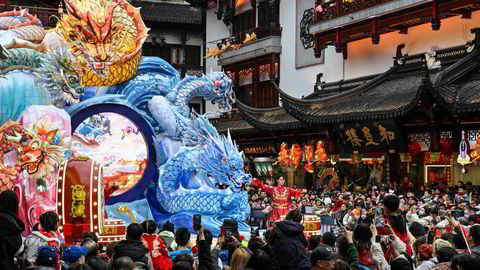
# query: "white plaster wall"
(216, 29)
(364, 58)
(299, 82)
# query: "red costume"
(281, 202)
(158, 251)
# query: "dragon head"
(106, 37)
(220, 163)
(60, 74)
(223, 93)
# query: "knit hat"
(322, 253)
(73, 253)
(47, 256)
(167, 236)
(425, 251)
(440, 243)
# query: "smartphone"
(229, 233)
(254, 233)
(431, 237)
(379, 221)
(197, 222)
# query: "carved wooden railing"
(261, 32)
(336, 8)
(48, 16)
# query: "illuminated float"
(129, 115)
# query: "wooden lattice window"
(422, 138)
(446, 136)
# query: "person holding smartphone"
(392, 216)
(205, 259)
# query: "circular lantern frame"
(148, 134)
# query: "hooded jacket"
(11, 242)
(135, 250)
(289, 246)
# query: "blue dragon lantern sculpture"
(211, 177)
(203, 173)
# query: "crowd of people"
(384, 227)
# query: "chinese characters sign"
(370, 136)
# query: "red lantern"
(414, 149)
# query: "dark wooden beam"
(395, 19)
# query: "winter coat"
(35, 241)
(206, 261)
(289, 246)
(11, 242)
(135, 250)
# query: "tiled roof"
(236, 127)
(271, 119)
(389, 95)
(327, 89)
(457, 88)
(169, 12)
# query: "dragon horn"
(229, 137)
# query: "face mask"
(364, 216)
(421, 212)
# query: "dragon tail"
(155, 77)
(21, 58)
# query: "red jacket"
(158, 251)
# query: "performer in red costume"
(281, 195)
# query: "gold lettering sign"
(368, 135)
(353, 137)
(386, 135)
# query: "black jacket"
(205, 259)
(40, 268)
(11, 241)
(289, 246)
(268, 250)
(135, 250)
(96, 263)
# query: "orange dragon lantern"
(284, 155)
(308, 157)
(321, 154)
(296, 155)
(106, 37)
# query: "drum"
(311, 224)
(81, 202)
(113, 230)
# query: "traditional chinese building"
(47, 12)
(406, 114)
(177, 35)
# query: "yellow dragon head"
(106, 37)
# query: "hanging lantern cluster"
(226, 46)
(308, 156)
